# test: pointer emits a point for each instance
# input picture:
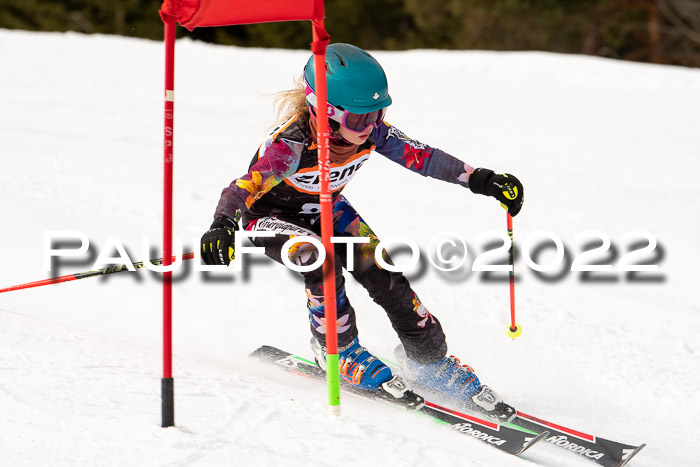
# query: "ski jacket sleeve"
(419, 157)
(276, 160)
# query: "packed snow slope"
(600, 145)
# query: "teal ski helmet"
(356, 81)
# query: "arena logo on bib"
(308, 180)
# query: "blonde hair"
(291, 102)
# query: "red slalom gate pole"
(167, 385)
(318, 47)
(84, 275)
(514, 329)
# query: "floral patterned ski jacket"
(283, 177)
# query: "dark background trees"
(659, 31)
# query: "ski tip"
(262, 351)
(532, 441)
(628, 457)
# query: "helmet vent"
(343, 63)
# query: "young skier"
(280, 194)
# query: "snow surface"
(600, 145)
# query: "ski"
(604, 452)
(512, 439)
(601, 451)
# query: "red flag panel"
(203, 13)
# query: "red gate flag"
(202, 13)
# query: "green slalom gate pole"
(333, 381)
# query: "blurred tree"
(684, 36)
(684, 15)
(660, 31)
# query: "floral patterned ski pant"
(419, 331)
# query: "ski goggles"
(357, 123)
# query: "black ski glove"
(504, 187)
(218, 242)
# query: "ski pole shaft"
(511, 273)
(514, 329)
(83, 275)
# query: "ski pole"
(514, 329)
(83, 275)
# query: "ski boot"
(362, 370)
(449, 378)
